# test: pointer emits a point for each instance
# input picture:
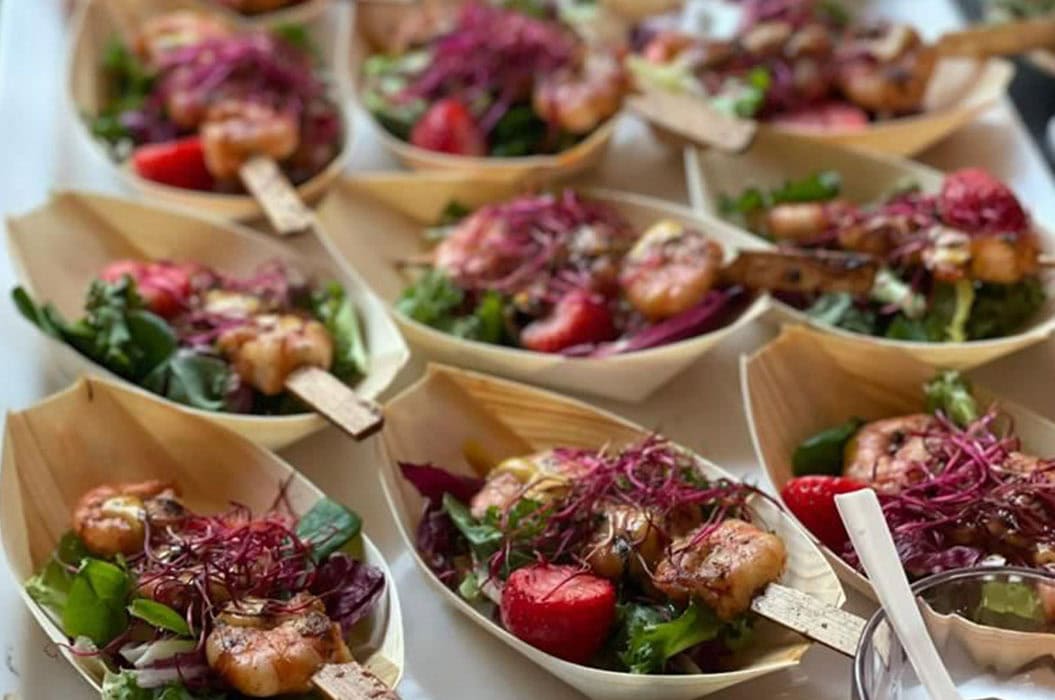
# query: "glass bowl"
(994, 628)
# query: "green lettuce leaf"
(95, 603)
(328, 527)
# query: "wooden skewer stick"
(351, 681)
(834, 628)
(692, 119)
(803, 271)
(1005, 39)
(325, 393)
(285, 210)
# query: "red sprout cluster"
(203, 562)
(977, 496)
(652, 475)
(493, 56)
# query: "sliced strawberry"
(178, 163)
(974, 201)
(811, 499)
(578, 318)
(165, 287)
(826, 116)
(448, 127)
(559, 609)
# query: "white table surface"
(447, 656)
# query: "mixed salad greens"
(606, 558)
(507, 79)
(562, 273)
(807, 64)
(175, 603)
(956, 487)
(959, 265)
(192, 99)
(208, 340)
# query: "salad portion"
(629, 560)
(962, 264)
(502, 82)
(191, 100)
(958, 488)
(563, 273)
(209, 340)
(798, 63)
(178, 604)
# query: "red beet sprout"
(975, 498)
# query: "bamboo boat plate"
(98, 432)
(372, 222)
(805, 381)
(450, 411)
(581, 157)
(59, 248)
(961, 89)
(96, 23)
(774, 159)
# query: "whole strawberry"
(811, 499)
(579, 318)
(561, 610)
(974, 201)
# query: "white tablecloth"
(447, 656)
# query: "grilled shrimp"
(474, 249)
(540, 476)
(631, 540)
(669, 270)
(797, 221)
(236, 130)
(892, 75)
(1003, 259)
(176, 30)
(883, 453)
(262, 654)
(270, 347)
(724, 567)
(579, 99)
(111, 519)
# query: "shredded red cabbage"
(493, 56)
(349, 588)
(717, 309)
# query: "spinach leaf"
(328, 527)
(950, 393)
(95, 604)
(518, 133)
(822, 453)
(650, 644)
(336, 311)
(51, 586)
(1002, 309)
(483, 537)
(197, 380)
(159, 615)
